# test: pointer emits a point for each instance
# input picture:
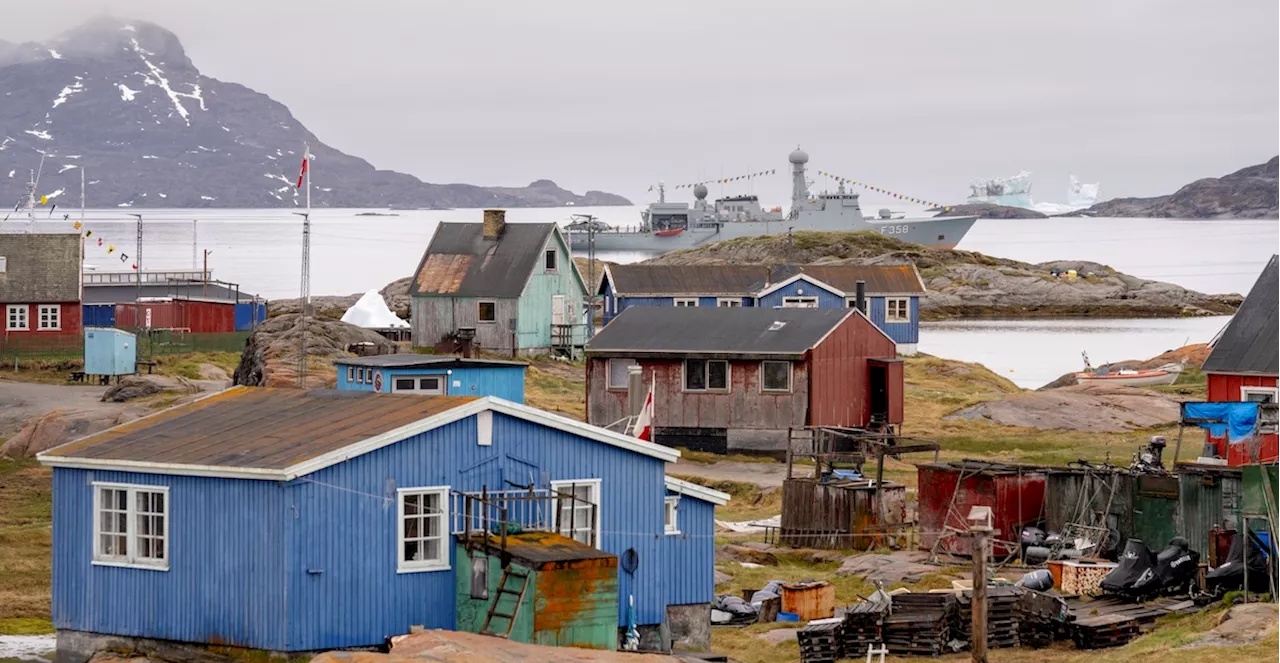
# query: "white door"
(557, 310)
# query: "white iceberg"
(1016, 192)
(371, 312)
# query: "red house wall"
(838, 392)
(1223, 388)
(68, 321)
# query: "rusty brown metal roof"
(461, 262)
(257, 428)
(537, 548)
(748, 280)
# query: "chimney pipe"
(635, 391)
(495, 220)
(860, 296)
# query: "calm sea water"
(261, 250)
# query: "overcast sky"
(921, 97)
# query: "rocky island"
(121, 102)
(1248, 193)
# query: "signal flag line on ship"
(726, 180)
(891, 194)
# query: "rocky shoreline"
(1248, 193)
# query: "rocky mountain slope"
(969, 284)
(1249, 193)
(124, 102)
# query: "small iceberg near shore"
(371, 312)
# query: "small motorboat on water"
(1129, 377)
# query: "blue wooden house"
(893, 291)
(511, 289)
(292, 521)
(429, 375)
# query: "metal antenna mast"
(137, 276)
(306, 270)
(195, 234)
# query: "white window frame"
(492, 303)
(684, 302)
(596, 485)
(55, 311)
(608, 369)
(800, 302)
(671, 515)
(728, 302)
(417, 383)
(360, 375)
(131, 527)
(555, 255)
(4, 264)
(790, 375)
(20, 322)
(1274, 392)
(351, 374)
(440, 563)
(904, 303)
(728, 377)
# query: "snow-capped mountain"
(122, 100)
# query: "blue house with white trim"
(893, 292)
(294, 521)
(430, 375)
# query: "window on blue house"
(897, 309)
(685, 302)
(131, 525)
(423, 529)
(729, 302)
(671, 521)
(351, 374)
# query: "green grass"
(26, 626)
(26, 504)
(188, 365)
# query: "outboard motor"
(1230, 574)
(1150, 458)
(1175, 570)
(1136, 566)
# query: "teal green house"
(510, 289)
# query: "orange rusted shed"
(809, 600)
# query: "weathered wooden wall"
(437, 317)
(840, 395)
(836, 516)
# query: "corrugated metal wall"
(1016, 499)
(437, 317)
(250, 314)
(802, 288)
(839, 391)
(900, 332)
(688, 577)
(226, 582)
(198, 317)
(1207, 500)
(99, 315)
(343, 526)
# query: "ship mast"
(799, 187)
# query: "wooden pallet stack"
(1042, 617)
(919, 623)
(821, 641)
(1003, 616)
(862, 627)
(1113, 621)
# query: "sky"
(916, 97)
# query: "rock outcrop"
(1089, 408)
(1189, 356)
(1248, 193)
(395, 294)
(123, 101)
(967, 284)
(270, 357)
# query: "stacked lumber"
(1104, 631)
(820, 641)
(862, 627)
(1042, 615)
(1003, 616)
(919, 623)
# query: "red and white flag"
(644, 421)
(306, 156)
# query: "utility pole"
(980, 520)
(137, 276)
(205, 274)
(194, 236)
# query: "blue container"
(788, 617)
(109, 351)
(250, 314)
(99, 315)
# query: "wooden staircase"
(503, 590)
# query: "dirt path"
(764, 475)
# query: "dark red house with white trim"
(736, 379)
(39, 289)
(1245, 360)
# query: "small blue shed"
(433, 376)
(250, 314)
(99, 315)
(294, 521)
(109, 351)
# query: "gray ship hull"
(943, 232)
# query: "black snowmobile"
(1230, 574)
(1137, 565)
(1174, 573)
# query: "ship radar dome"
(700, 192)
(798, 156)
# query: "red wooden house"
(1245, 361)
(737, 379)
(40, 290)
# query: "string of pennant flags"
(85, 233)
(726, 180)
(891, 194)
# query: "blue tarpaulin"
(1235, 421)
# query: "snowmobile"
(1136, 566)
(1231, 573)
(1174, 573)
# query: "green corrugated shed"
(1260, 490)
(1155, 510)
(572, 594)
(1209, 497)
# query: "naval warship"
(668, 226)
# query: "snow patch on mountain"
(41, 134)
(125, 93)
(67, 92)
(158, 79)
(55, 194)
(67, 167)
(54, 54)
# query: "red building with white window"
(1245, 361)
(40, 290)
(738, 379)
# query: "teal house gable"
(510, 289)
